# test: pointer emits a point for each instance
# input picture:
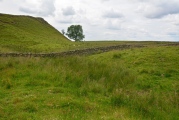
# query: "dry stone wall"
(72, 52)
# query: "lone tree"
(75, 32)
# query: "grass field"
(133, 84)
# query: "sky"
(141, 20)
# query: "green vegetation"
(75, 32)
(133, 84)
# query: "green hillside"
(26, 33)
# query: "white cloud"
(113, 24)
(112, 14)
(38, 7)
(68, 11)
(104, 0)
(159, 9)
(172, 19)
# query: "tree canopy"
(75, 32)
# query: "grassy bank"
(140, 83)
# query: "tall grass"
(67, 84)
(115, 85)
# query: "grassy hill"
(26, 33)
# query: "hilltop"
(26, 33)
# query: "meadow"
(131, 84)
(140, 83)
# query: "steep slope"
(29, 34)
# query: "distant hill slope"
(29, 34)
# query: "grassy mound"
(29, 34)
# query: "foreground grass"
(130, 84)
